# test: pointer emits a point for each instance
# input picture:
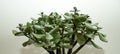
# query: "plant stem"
(63, 50)
(51, 52)
(72, 39)
(71, 43)
(58, 51)
(77, 50)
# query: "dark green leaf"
(16, 33)
(29, 42)
(81, 40)
(52, 48)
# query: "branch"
(63, 50)
(58, 51)
(36, 40)
(50, 52)
(77, 50)
(72, 39)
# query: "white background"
(12, 12)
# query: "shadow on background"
(85, 50)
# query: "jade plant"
(59, 34)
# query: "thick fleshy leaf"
(38, 27)
(16, 33)
(47, 25)
(28, 24)
(67, 16)
(54, 30)
(56, 37)
(82, 18)
(29, 42)
(89, 26)
(67, 46)
(39, 36)
(49, 36)
(34, 19)
(95, 45)
(81, 40)
(102, 37)
(90, 36)
(39, 44)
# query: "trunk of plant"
(51, 52)
(58, 51)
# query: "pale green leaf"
(95, 45)
(89, 26)
(102, 37)
(38, 27)
(54, 30)
(49, 36)
(67, 46)
(39, 44)
(39, 36)
(90, 36)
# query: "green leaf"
(39, 44)
(67, 16)
(82, 19)
(25, 43)
(95, 45)
(49, 36)
(29, 42)
(66, 39)
(89, 21)
(67, 46)
(34, 19)
(47, 25)
(39, 36)
(90, 36)
(54, 30)
(16, 33)
(56, 37)
(38, 27)
(81, 40)
(52, 48)
(102, 37)
(28, 24)
(89, 26)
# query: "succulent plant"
(55, 32)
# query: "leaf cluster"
(55, 31)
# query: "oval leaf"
(54, 29)
(89, 26)
(95, 45)
(48, 36)
(16, 33)
(102, 37)
(39, 36)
